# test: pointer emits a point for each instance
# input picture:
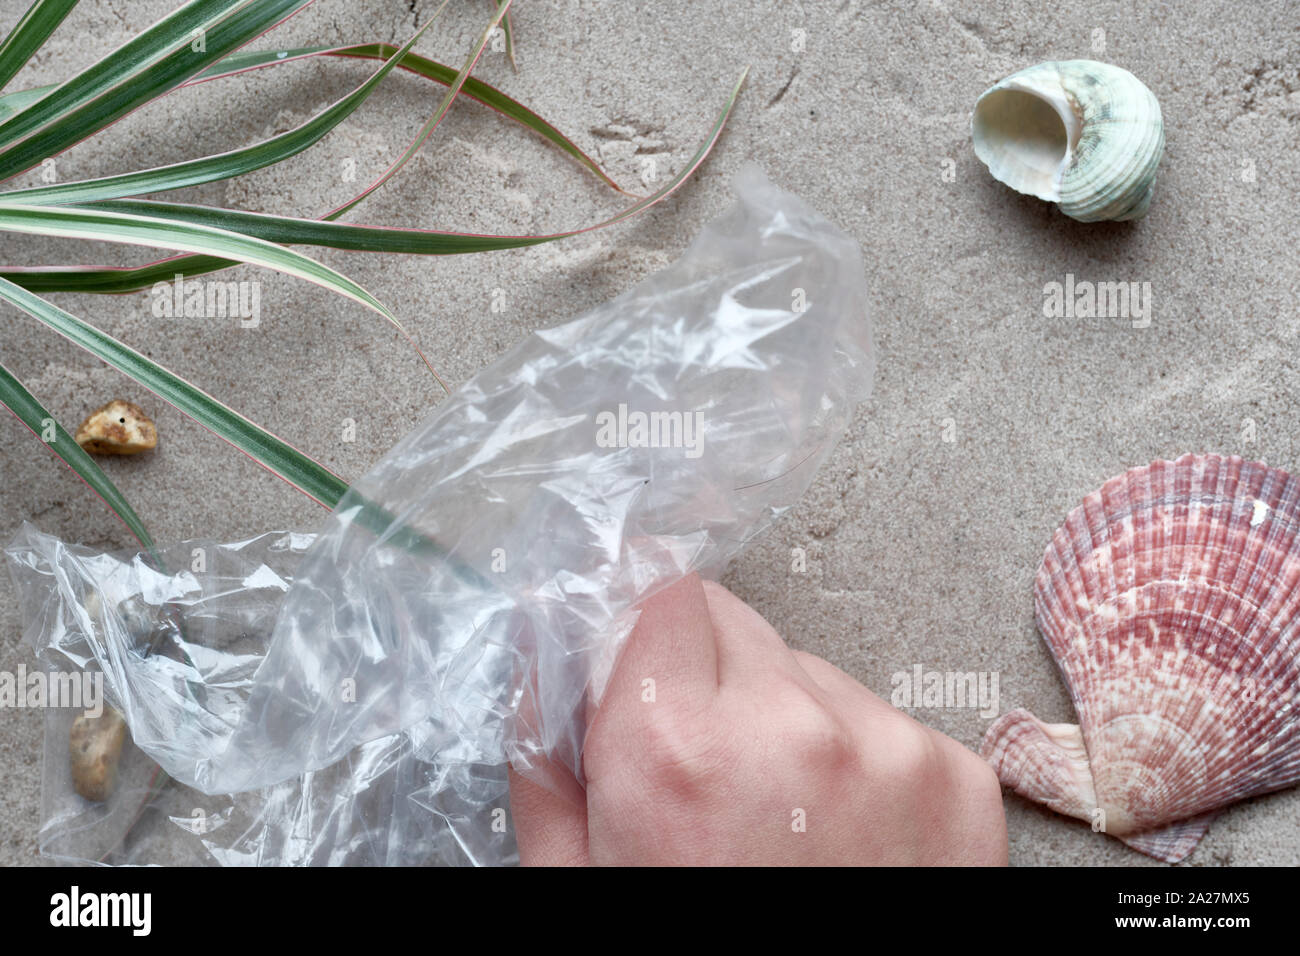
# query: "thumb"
(548, 806)
(551, 829)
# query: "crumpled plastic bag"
(357, 700)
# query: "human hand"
(753, 754)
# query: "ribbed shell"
(1115, 132)
(1170, 602)
(1113, 175)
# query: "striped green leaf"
(277, 456)
(158, 60)
(222, 166)
(111, 280)
(29, 411)
(509, 29)
(475, 89)
(285, 229)
(41, 19)
(11, 103)
(452, 91)
(77, 223)
(266, 449)
(316, 232)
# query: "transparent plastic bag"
(85, 610)
(361, 697)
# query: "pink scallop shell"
(1169, 599)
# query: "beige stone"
(119, 428)
(94, 748)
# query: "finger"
(749, 649)
(548, 805)
(670, 655)
(551, 830)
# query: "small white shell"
(1083, 134)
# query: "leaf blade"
(476, 89)
(115, 279)
(41, 19)
(85, 223)
(98, 224)
(509, 29)
(28, 410)
(432, 123)
(288, 229)
(316, 232)
(12, 103)
(274, 454)
(154, 62)
(223, 165)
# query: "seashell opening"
(1085, 135)
(1026, 137)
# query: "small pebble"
(95, 746)
(119, 428)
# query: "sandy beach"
(989, 419)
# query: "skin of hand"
(744, 752)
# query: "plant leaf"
(221, 166)
(312, 478)
(475, 89)
(112, 280)
(435, 119)
(156, 61)
(11, 103)
(314, 232)
(509, 30)
(29, 411)
(41, 19)
(79, 223)
(278, 457)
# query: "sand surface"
(988, 421)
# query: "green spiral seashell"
(1085, 135)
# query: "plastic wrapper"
(357, 699)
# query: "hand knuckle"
(678, 755)
(819, 737)
(912, 755)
